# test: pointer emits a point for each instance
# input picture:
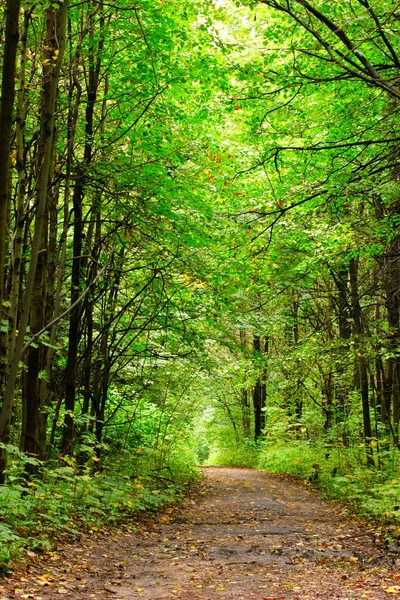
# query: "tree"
(12, 10)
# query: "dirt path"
(246, 535)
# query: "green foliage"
(62, 501)
(340, 472)
(243, 454)
(203, 453)
(290, 456)
(371, 493)
(10, 545)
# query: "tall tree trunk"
(74, 321)
(296, 336)
(341, 385)
(327, 373)
(260, 389)
(59, 16)
(77, 201)
(101, 380)
(48, 391)
(390, 265)
(391, 393)
(6, 121)
(36, 354)
(20, 220)
(245, 404)
(361, 360)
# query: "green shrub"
(243, 454)
(340, 473)
(71, 498)
(297, 457)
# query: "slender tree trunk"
(380, 386)
(34, 439)
(259, 390)
(49, 314)
(36, 354)
(101, 380)
(20, 221)
(6, 122)
(48, 391)
(390, 265)
(296, 336)
(88, 363)
(341, 386)
(78, 196)
(31, 397)
(327, 375)
(390, 387)
(327, 391)
(361, 360)
(74, 321)
(60, 15)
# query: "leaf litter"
(242, 534)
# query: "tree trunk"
(78, 196)
(42, 294)
(59, 16)
(259, 390)
(341, 385)
(296, 336)
(20, 221)
(361, 360)
(6, 121)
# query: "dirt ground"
(242, 535)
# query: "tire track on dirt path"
(245, 534)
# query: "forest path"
(244, 534)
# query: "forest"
(199, 254)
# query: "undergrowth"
(341, 474)
(64, 499)
(335, 461)
(235, 454)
